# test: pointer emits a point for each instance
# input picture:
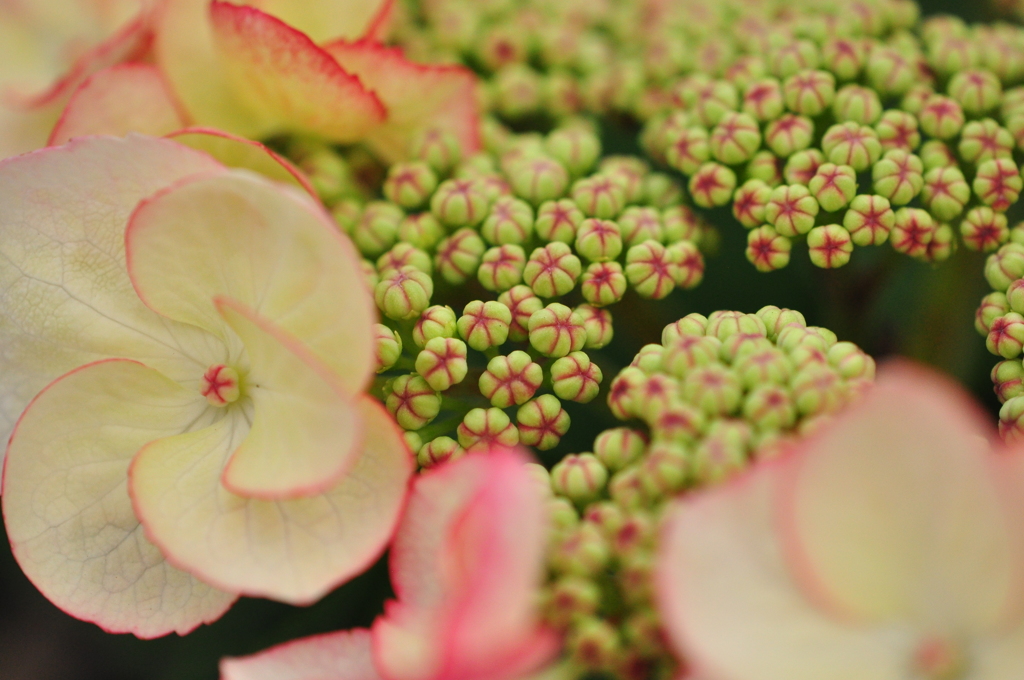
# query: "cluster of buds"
(1000, 319)
(717, 393)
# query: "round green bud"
(522, 303)
(512, 379)
(1005, 266)
(769, 407)
(802, 165)
(638, 224)
(898, 176)
(869, 220)
(984, 229)
(458, 256)
(942, 245)
(576, 378)
(998, 183)
(763, 99)
(437, 451)
(983, 140)
(978, 90)
(598, 324)
(403, 293)
(347, 213)
(460, 203)
(440, 149)
(766, 167)
(833, 186)
(421, 231)
(510, 221)
(714, 100)
(570, 598)
(767, 250)
(413, 441)
(1014, 298)
(377, 228)
(788, 134)
(517, 91)
(829, 246)
(661, 191)
(844, 57)
(442, 363)
(936, 154)
(484, 324)
(502, 267)
(941, 117)
(857, 104)
(681, 224)
(618, 447)
(626, 488)
(388, 345)
(412, 402)
(852, 144)
(898, 130)
(809, 92)
(712, 185)
(817, 388)
(624, 388)
(723, 451)
(650, 270)
(992, 306)
(945, 192)
(552, 270)
(912, 231)
(1006, 335)
(714, 389)
(410, 184)
(603, 283)
(723, 324)
(688, 149)
(481, 429)
(791, 210)
(579, 477)
(557, 330)
(576, 148)
(629, 172)
(735, 139)
(1008, 380)
(558, 220)
(851, 361)
(792, 57)
(649, 358)
(539, 179)
(598, 240)
(1011, 420)
(599, 196)
(749, 202)
(404, 255)
(583, 551)
(435, 322)
(890, 73)
(665, 469)
(542, 422)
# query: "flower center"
(220, 385)
(940, 659)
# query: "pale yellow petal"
(324, 20)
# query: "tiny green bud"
(844, 57)
(603, 283)
(579, 477)
(852, 144)
(817, 388)
(640, 224)
(945, 192)
(688, 149)
(437, 451)
(983, 140)
(440, 149)
(775, 319)
(941, 117)
(618, 447)
(802, 165)
(502, 267)
(442, 363)
(650, 269)
(599, 240)
(403, 293)
(889, 72)
(767, 250)
(576, 378)
(599, 196)
(1008, 380)
(1006, 335)
(512, 379)
(769, 407)
(552, 270)
(542, 422)
(624, 388)
(1011, 420)
(522, 303)
(977, 90)
(460, 203)
(992, 307)
(735, 139)
(482, 429)
(410, 184)
(998, 183)
(722, 452)
(437, 321)
(421, 230)
(869, 220)
(598, 324)
(558, 220)
(984, 229)
(388, 345)
(791, 210)
(833, 186)
(458, 256)
(557, 330)
(377, 228)
(788, 134)
(898, 177)
(712, 185)
(749, 202)
(829, 246)
(714, 389)
(412, 402)
(763, 99)
(576, 148)
(484, 324)
(404, 255)
(509, 222)
(898, 130)
(539, 179)
(1005, 266)
(809, 92)
(912, 231)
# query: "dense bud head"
(482, 429)
(442, 363)
(388, 344)
(412, 401)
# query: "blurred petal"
(732, 607)
(66, 504)
(271, 248)
(344, 655)
(892, 514)
(418, 97)
(64, 289)
(118, 100)
(999, 657)
(239, 152)
(324, 20)
(466, 564)
(25, 130)
(293, 550)
(306, 432)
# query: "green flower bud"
(788, 134)
(1014, 298)
(714, 100)
(603, 283)
(440, 149)
(510, 221)
(599, 196)
(792, 57)
(1011, 420)
(722, 452)
(829, 246)
(950, 54)
(556, 330)
(598, 324)
(437, 451)
(579, 477)
(370, 273)
(688, 352)
(618, 447)
(763, 100)
(1005, 266)
(833, 186)
(945, 192)
(712, 185)
(767, 250)
(649, 358)
(809, 92)
(1006, 335)
(998, 183)
(421, 231)
(817, 388)
(482, 429)
(640, 224)
(377, 228)
(629, 172)
(735, 139)
(749, 202)
(843, 57)
(576, 378)
(912, 231)
(869, 220)
(412, 402)
(442, 363)
(484, 324)
(898, 130)
(983, 140)
(791, 210)
(460, 203)
(802, 165)
(766, 167)
(458, 256)
(681, 224)
(594, 644)
(552, 270)
(522, 303)
(890, 73)
(502, 267)
(764, 364)
(977, 90)
(626, 488)
(517, 91)
(542, 422)
(558, 221)
(984, 229)
(714, 389)
(477, 165)
(650, 269)
(404, 255)
(793, 336)
(769, 407)
(851, 361)
(539, 179)
(576, 148)
(857, 104)
(413, 441)
(665, 469)
(898, 177)
(624, 388)
(512, 379)
(935, 154)
(941, 246)
(410, 184)
(388, 345)
(1008, 380)
(347, 213)
(599, 240)
(941, 117)
(661, 191)
(435, 322)
(992, 306)
(852, 144)
(403, 293)
(688, 149)
(570, 598)
(724, 324)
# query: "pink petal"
(118, 100)
(344, 655)
(324, 20)
(892, 514)
(66, 505)
(466, 564)
(417, 96)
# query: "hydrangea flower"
(466, 564)
(194, 341)
(887, 545)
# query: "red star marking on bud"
(220, 385)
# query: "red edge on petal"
(286, 647)
(381, 23)
(299, 176)
(14, 548)
(297, 348)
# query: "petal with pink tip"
(418, 97)
(324, 20)
(306, 431)
(265, 245)
(66, 504)
(344, 655)
(239, 152)
(118, 100)
(64, 289)
(288, 83)
(466, 564)
(892, 512)
(290, 550)
(733, 608)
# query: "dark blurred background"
(886, 303)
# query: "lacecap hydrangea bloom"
(190, 345)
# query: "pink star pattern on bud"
(220, 385)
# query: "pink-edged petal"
(271, 248)
(892, 514)
(292, 550)
(239, 152)
(344, 655)
(66, 503)
(418, 96)
(118, 100)
(306, 430)
(466, 564)
(732, 607)
(324, 20)
(64, 289)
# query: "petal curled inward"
(118, 100)
(344, 655)
(306, 431)
(64, 289)
(264, 245)
(290, 550)
(418, 97)
(67, 509)
(466, 564)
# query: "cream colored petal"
(265, 245)
(66, 504)
(344, 655)
(324, 20)
(998, 657)
(64, 288)
(295, 550)
(22, 131)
